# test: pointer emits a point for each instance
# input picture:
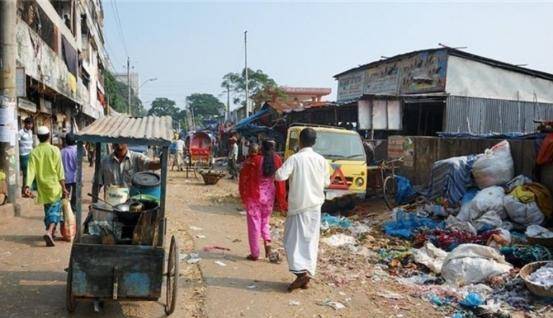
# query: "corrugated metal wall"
(482, 115)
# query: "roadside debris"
(220, 263)
(332, 304)
(191, 258)
(294, 303)
(338, 240)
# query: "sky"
(189, 46)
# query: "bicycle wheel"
(390, 189)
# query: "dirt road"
(221, 284)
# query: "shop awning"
(244, 123)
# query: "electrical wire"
(117, 18)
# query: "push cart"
(126, 265)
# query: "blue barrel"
(146, 182)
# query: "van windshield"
(335, 146)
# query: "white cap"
(42, 130)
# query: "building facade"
(446, 90)
(60, 62)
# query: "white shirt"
(233, 154)
(308, 175)
(26, 141)
(180, 145)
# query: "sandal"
(251, 258)
(49, 241)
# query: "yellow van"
(344, 151)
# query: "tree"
(205, 106)
(258, 82)
(117, 93)
(162, 106)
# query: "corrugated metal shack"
(444, 89)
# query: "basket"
(535, 288)
(211, 177)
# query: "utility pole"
(227, 112)
(8, 97)
(129, 85)
(246, 69)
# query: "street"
(222, 284)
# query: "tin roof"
(147, 130)
(458, 53)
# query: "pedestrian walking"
(233, 158)
(307, 173)
(180, 154)
(45, 166)
(259, 192)
(69, 161)
(26, 145)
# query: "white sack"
(494, 167)
(473, 263)
(453, 223)
(522, 213)
(538, 231)
(430, 256)
(489, 199)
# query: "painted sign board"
(423, 72)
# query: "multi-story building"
(134, 79)
(60, 60)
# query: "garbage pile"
(477, 226)
(462, 246)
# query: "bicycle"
(389, 181)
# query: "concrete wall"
(427, 150)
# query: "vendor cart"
(131, 263)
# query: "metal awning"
(149, 130)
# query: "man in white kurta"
(307, 173)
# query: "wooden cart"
(124, 271)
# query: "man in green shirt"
(46, 168)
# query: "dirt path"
(32, 277)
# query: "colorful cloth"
(45, 166)
(301, 240)
(258, 217)
(52, 213)
(69, 160)
(450, 178)
(545, 154)
(251, 180)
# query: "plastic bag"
(495, 167)
(522, 213)
(489, 199)
(430, 256)
(69, 225)
(404, 190)
(473, 263)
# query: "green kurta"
(45, 166)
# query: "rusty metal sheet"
(123, 129)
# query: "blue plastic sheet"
(404, 190)
(407, 224)
(472, 300)
(329, 221)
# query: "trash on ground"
(333, 304)
(191, 258)
(338, 240)
(195, 228)
(200, 236)
(473, 263)
(543, 276)
(538, 232)
(294, 303)
(472, 300)
(220, 263)
(390, 295)
(495, 166)
(211, 248)
(252, 286)
(430, 256)
(329, 221)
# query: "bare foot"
(300, 282)
(251, 258)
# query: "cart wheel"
(390, 189)
(172, 282)
(70, 302)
